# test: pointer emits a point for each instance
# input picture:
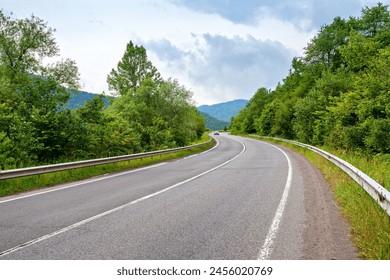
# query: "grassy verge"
(375, 166)
(12, 186)
(370, 224)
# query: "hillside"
(217, 116)
(213, 123)
(224, 111)
(78, 99)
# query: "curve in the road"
(75, 225)
(245, 199)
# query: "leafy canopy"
(133, 68)
(337, 94)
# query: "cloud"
(235, 11)
(305, 14)
(219, 68)
(166, 51)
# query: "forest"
(337, 94)
(148, 113)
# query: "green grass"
(370, 224)
(17, 185)
(376, 166)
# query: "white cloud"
(304, 14)
(223, 68)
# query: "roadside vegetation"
(149, 113)
(337, 94)
(14, 186)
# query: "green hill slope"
(224, 111)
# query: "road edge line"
(266, 250)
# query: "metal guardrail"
(22, 172)
(373, 188)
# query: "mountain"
(224, 111)
(213, 123)
(217, 116)
(78, 99)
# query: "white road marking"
(87, 181)
(83, 182)
(273, 230)
(83, 222)
(195, 155)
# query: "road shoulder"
(326, 233)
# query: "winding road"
(243, 199)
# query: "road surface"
(244, 199)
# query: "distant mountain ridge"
(78, 99)
(217, 116)
(213, 123)
(224, 111)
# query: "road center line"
(93, 218)
(100, 178)
(273, 230)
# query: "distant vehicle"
(216, 133)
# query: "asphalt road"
(244, 199)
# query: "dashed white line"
(83, 182)
(72, 185)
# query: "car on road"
(216, 133)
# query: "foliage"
(16, 185)
(160, 113)
(133, 68)
(337, 94)
(36, 127)
(32, 93)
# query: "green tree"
(160, 113)
(245, 120)
(24, 42)
(374, 20)
(265, 122)
(37, 91)
(133, 68)
(324, 48)
(337, 94)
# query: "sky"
(221, 50)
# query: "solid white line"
(87, 181)
(83, 222)
(273, 230)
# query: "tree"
(359, 51)
(337, 94)
(24, 42)
(160, 113)
(133, 68)
(374, 20)
(245, 120)
(36, 91)
(324, 47)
